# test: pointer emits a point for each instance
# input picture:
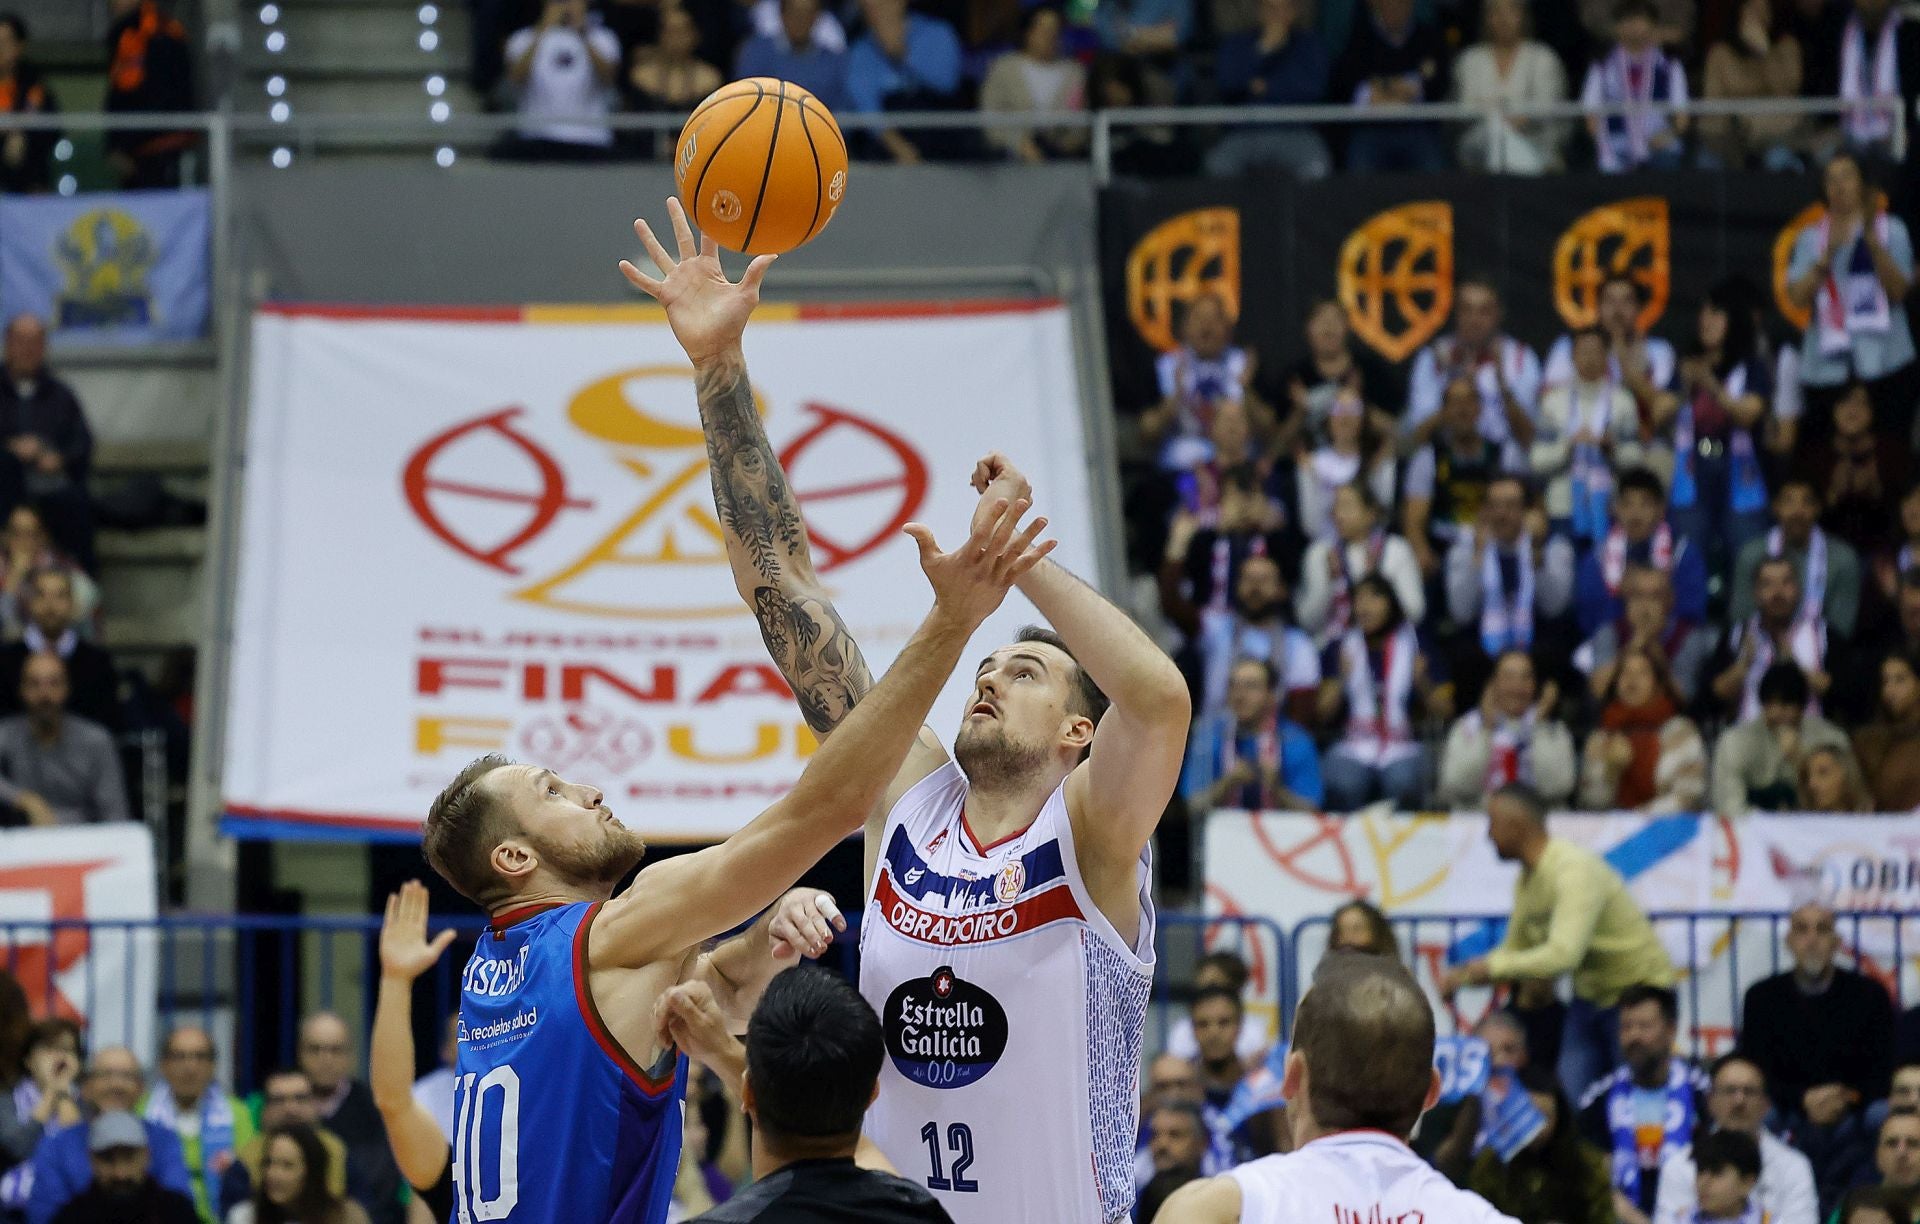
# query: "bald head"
(326, 1051)
(114, 1080)
(1364, 1034)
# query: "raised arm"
(802, 923)
(405, 953)
(682, 901)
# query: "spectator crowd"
(1625, 571)
(566, 64)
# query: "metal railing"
(1724, 952)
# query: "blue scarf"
(1746, 487)
(1620, 1124)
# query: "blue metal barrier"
(1723, 953)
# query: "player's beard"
(992, 759)
(600, 864)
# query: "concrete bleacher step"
(337, 30)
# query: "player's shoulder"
(1208, 1200)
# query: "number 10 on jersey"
(486, 1153)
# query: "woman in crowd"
(1036, 77)
(1361, 547)
(28, 548)
(1719, 495)
(1353, 452)
(1830, 782)
(1645, 755)
(1860, 472)
(1376, 680)
(669, 76)
(1359, 926)
(1757, 59)
(1508, 68)
(1850, 271)
(1888, 748)
(1558, 1176)
(293, 1184)
(1229, 972)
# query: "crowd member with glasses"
(345, 1104)
(1738, 1101)
(210, 1123)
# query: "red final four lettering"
(436, 676)
(746, 680)
(662, 683)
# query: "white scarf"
(1493, 409)
(1508, 760)
(1506, 623)
(1626, 139)
(1340, 613)
(1613, 555)
(1851, 299)
(1379, 731)
(1806, 645)
(1813, 588)
(1869, 124)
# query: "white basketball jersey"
(1013, 1013)
(1355, 1177)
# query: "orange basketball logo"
(1396, 277)
(1630, 236)
(726, 205)
(1177, 261)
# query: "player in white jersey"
(1008, 942)
(1358, 1077)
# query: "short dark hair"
(1230, 964)
(1593, 331)
(1897, 1204)
(46, 1032)
(465, 822)
(1801, 480)
(1083, 695)
(1729, 1059)
(1669, 1002)
(14, 22)
(1784, 684)
(1623, 9)
(1161, 1188)
(1530, 800)
(1242, 478)
(1727, 1149)
(1641, 479)
(1190, 1112)
(1207, 994)
(814, 1050)
(1774, 563)
(1365, 1031)
(285, 1073)
(1891, 1115)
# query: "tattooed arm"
(766, 539)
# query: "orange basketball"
(761, 166)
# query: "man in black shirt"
(811, 1067)
(123, 1189)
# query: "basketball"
(761, 166)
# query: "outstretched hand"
(707, 311)
(405, 951)
(972, 580)
(804, 923)
(687, 1016)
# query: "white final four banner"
(491, 530)
(1716, 884)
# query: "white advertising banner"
(492, 531)
(1295, 868)
(53, 882)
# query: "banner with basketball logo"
(126, 267)
(492, 531)
(1270, 247)
(1438, 877)
(52, 881)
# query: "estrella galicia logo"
(943, 1032)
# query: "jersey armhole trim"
(590, 1015)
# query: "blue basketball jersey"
(552, 1120)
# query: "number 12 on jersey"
(960, 1144)
(479, 1158)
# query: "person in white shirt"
(1324, 606)
(1505, 371)
(1642, 365)
(1357, 1079)
(1738, 1102)
(564, 68)
(1588, 428)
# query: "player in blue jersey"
(566, 1106)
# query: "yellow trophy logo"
(1630, 236)
(1396, 277)
(1177, 261)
